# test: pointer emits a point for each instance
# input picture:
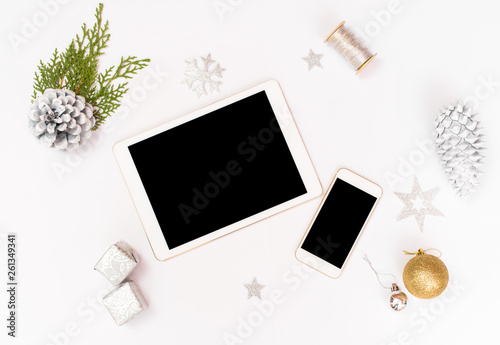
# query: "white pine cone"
(60, 119)
(460, 144)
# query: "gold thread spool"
(349, 47)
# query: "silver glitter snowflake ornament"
(254, 289)
(418, 204)
(313, 60)
(199, 78)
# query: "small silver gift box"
(117, 263)
(124, 303)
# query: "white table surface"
(67, 209)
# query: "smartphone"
(338, 223)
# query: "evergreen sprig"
(76, 69)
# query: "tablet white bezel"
(141, 201)
(318, 263)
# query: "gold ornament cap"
(425, 276)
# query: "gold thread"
(421, 252)
(346, 43)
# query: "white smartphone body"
(338, 223)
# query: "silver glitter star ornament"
(199, 78)
(254, 289)
(418, 204)
(313, 59)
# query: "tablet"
(217, 170)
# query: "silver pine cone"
(460, 144)
(61, 119)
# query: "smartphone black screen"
(339, 222)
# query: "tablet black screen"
(217, 169)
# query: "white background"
(69, 208)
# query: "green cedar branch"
(76, 69)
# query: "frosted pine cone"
(460, 145)
(60, 119)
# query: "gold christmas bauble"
(425, 276)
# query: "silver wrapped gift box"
(125, 302)
(117, 263)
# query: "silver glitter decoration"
(460, 145)
(254, 289)
(199, 78)
(117, 263)
(398, 300)
(313, 59)
(124, 303)
(60, 119)
(418, 204)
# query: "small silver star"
(418, 204)
(254, 289)
(313, 59)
